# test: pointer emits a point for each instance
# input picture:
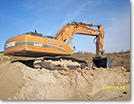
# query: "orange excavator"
(54, 52)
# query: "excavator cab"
(34, 34)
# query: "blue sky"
(48, 16)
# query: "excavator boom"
(83, 29)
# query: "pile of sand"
(20, 82)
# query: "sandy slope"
(20, 82)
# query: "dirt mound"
(20, 82)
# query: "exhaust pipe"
(103, 61)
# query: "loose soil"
(20, 82)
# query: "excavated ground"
(20, 82)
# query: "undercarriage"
(59, 63)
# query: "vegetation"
(121, 58)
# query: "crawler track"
(59, 62)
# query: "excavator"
(54, 52)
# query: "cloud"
(78, 10)
(117, 36)
(70, 17)
(30, 4)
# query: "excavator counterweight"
(53, 52)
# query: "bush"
(122, 62)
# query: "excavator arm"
(83, 29)
(68, 30)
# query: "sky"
(48, 16)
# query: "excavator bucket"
(103, 61)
